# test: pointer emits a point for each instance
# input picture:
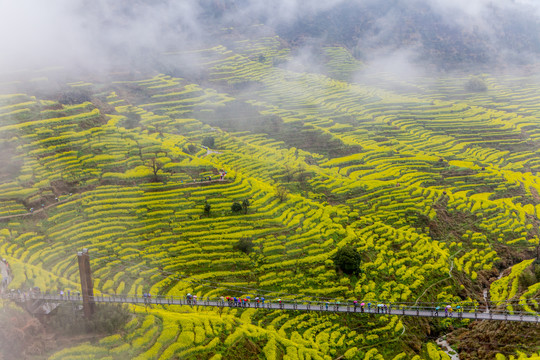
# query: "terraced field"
(436, 189)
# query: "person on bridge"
(362, 307)
(446, 311)
(437, 310)
(355, 303)
(262, 300)
(326, 306)
(369, 307)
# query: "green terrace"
(434, 192)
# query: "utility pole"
(87, 288)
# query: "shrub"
(190, 149)
(347, 259)
(527, 278)
(132, 120)
(208, 141)
(281, 193)
(19, 332)
(72, 96)
(236, 207)
(244, 245)
(245, 205)
(475, 84)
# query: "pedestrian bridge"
(288, 305)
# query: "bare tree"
(156, 164)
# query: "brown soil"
(534, 194)
(483, 340)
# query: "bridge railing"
(409, 309)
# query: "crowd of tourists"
(358, 306)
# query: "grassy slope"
(420, 185)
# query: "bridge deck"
(401, 310)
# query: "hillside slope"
(437, 190)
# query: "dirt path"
(190, 183)
(487, 294)
(208, 152)
(534, 193)
(445, 346)
(37, 211)
(451, 259)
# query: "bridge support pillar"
(87, 288)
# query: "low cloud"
(92, 34)
(107, 34)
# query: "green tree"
(207, 208)
(236, 207)
(476, 84)
(190, 149)
(281, 193)
(71, 96)
(132, 120)
(209, 141)
(245, 205)
(244, 245)
(347, 259)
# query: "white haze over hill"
(90, 34)
(104, 34)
